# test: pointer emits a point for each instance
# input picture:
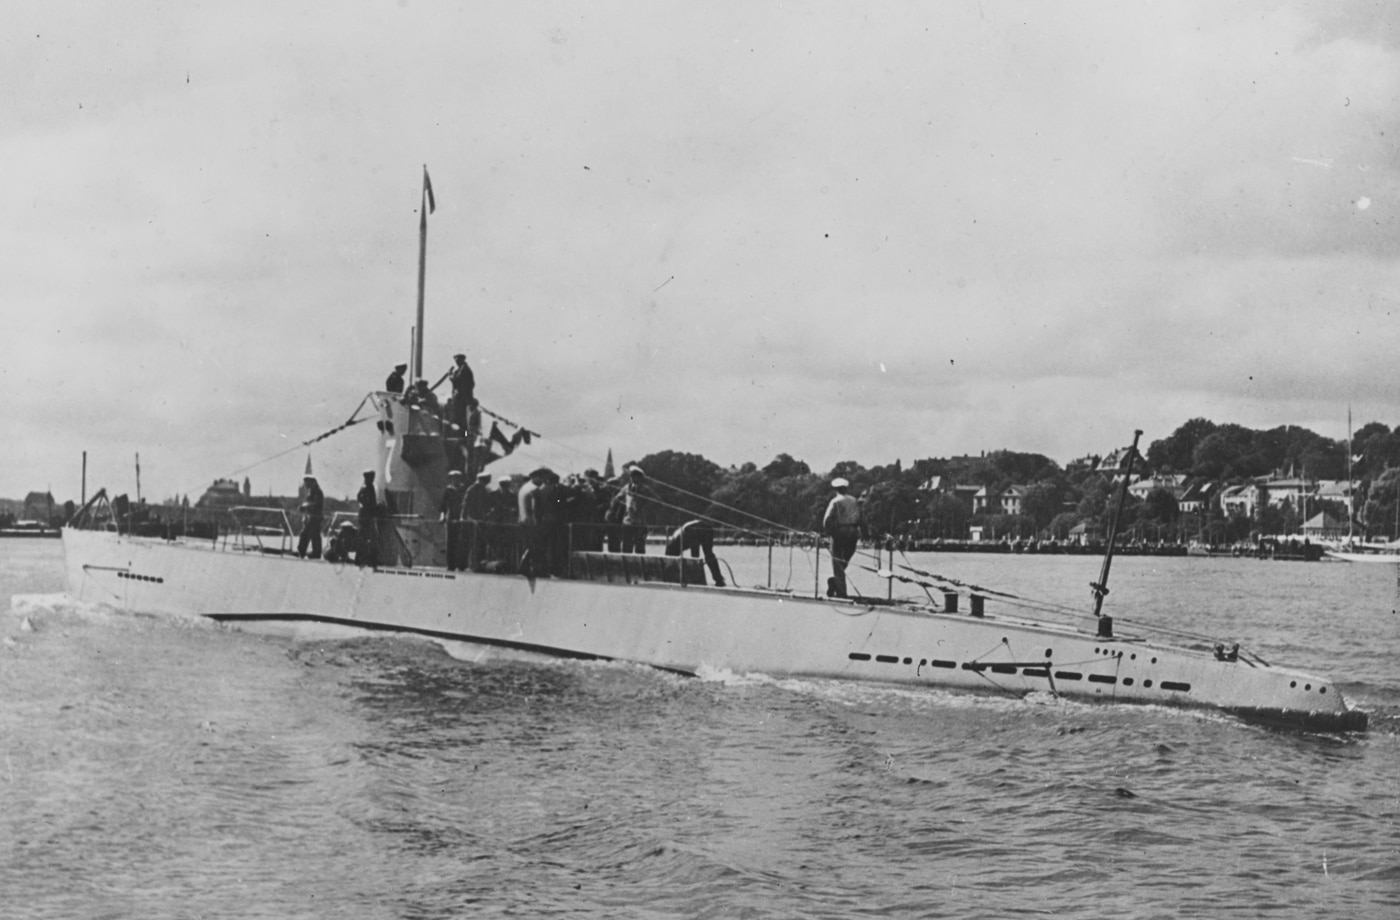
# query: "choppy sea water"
(154, 768)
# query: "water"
(158, 769)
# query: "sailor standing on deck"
(313, 509)
(368, 552)
(530, 500)
(463, 390)
(632, 502)
(842, 523)
(477, 513)
(451, 514)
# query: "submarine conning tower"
(416, 449)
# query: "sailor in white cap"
(842, 523)
(477, 501)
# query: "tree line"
(787, 494)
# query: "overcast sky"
(859, 231)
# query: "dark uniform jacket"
(315, 505)
(369, 502)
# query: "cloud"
(838, 232)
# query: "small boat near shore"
(1382, 553)
(594, 602)
(30, 530)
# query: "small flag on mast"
(428, 191)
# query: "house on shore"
(988, 500)
(1324, 526)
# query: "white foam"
(909, 698)
(28, 607)
(35, 608)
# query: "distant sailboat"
(1354, 550)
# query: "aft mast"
(1101, 586)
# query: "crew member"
(592, 509)
(553, 538)
(341, 544)
(610, 510)
(505, 511)
(450, 513)
(395, 382)
(422, 395)
(529, 500)
(698, 537)
(463, 390)
(632, 501)
(313, 510)
(477, 513)
(842, 523)
(368, 552)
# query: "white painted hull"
(686, 629)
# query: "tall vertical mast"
(426, 206)
(1351, 488)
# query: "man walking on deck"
(842, 523)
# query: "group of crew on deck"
(462, 408)
(349, 543)
(533, 529)
(530, 530)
